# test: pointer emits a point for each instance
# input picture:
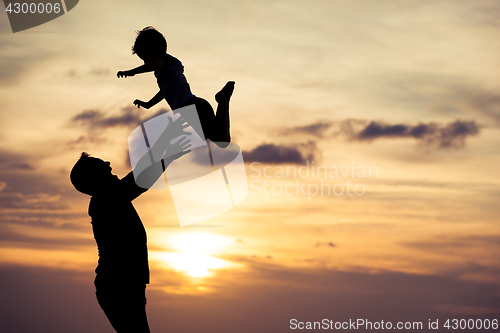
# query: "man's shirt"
(119, 234)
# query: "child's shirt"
(119, 234)
(172, 82)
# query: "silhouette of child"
(151, 47)
(123, 270)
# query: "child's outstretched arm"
(152, 102)
(149, 66)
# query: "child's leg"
(215, 126)
(222, 116)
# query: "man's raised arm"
(156, 160)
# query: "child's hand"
(140, 103)
(125, 73)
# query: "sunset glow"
(194, 264)
(195, 254)
(394, 105)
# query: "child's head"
(89, 174)
(149, 44)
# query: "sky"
(369, 131)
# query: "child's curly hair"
(149, 43)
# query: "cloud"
(95, 119)
(95, 71)
(450, 135)
(483, 102)
(99, 71)
(40, 240)
(330, 244)
(128, 117)
(267, 291)
(456, 244)
(14, 161)
(40, 198)
(429, 93)
(317, 129)
(281, 154)
(16, 200)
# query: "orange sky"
(343, 84)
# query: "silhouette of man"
(123, 270)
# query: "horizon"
(408, 88)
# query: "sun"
(199, 242)
(195, 252)
(194, 264)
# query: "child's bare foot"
(224, 95)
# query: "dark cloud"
(38, 198)
(16, 200)
(129, 117)
(317, 129)
(14, 161)
(451, 135)
(281, 154)
(330, 244)
(22, 166)
(94, 119)
(10, 238)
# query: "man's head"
(89, 174)
(149, 44)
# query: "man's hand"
(125, 74)
(173, 130)
(148, 169)
(147, 173)
(177, 149)
(176, 128)
(140, 103)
